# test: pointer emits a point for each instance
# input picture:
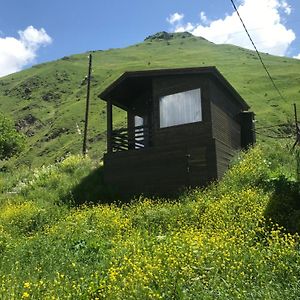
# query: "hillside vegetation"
(47, 101)
(237, 239)
(65, 235)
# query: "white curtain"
(139, 138)
(180, 108)
(138, 121)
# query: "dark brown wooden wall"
(224, 155)
(160, 171)
(183, 155)
(226, 129)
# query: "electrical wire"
(267, 127)
(259, 56)
(251, 30)
(273, 136)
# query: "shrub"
(18, 219)
(284, 206)
(11, 141)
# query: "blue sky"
(35, 31)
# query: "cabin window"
(180, 108)
(138, 121)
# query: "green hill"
(234, 240)
(64, 236)
(47, 101)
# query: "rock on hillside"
(163, 35)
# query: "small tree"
(11, 141)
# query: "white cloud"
(263, 19)
(287, 8)
(297, 56)
(175, 18)
(17, 53)
(203, 17)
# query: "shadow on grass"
(284, 206)
(93, 190)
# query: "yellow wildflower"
(27, 285)
(25, 295)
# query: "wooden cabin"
(183, 128)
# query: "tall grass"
(213, 243)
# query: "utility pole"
(84, 148)
(297, 127)
(297, 142)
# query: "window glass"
(180, 108)
(139, 137)
(138, 121)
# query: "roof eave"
(105, 95)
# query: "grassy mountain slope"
(47, 101)
(236, 239)
(218, 243)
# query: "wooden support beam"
(109, 118)
(130, 126)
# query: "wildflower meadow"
(221, 242)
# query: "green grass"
(54, 94)
(228, 241)
(64, 235)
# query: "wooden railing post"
(120, 139)
(131, 130)
(109, 126)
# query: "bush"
(11, 141)
(18, 219)
(284, 205)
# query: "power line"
(272, 126)
(274, 136)
(262, 131)
(297, 128)
(260, 58)
(255, 29)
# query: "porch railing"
(122, 139)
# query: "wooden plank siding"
(224, 116)
(174, 157)
(221, 97)
(226, 130)
(182, 134)
(161, 170)
(180, 156)
(148, 174)
(224, 155)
